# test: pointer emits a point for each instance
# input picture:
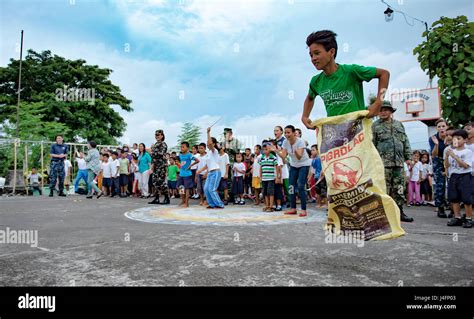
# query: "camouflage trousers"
(395, 181)
(57, 171)
(439, 183)
(159, 181)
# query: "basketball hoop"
(417, 105)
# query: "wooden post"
(14, 166)
(42, 166)
(72, 152)
(25, 166)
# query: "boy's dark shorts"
(123, 179)
(193, 172)
(460, 188)
(115, 181)
(248, 180)
(222, 185)
(106, 181)
(200, 184)
(186, 182)
(172, 184)
(278, 192)
(321, 188)
(268, 188)
(425, 187)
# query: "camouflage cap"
(388, 105)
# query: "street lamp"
(389, 15)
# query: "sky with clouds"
(245, 62)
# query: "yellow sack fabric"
(355, 178)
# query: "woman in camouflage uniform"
(159, 167)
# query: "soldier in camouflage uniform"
(437, 147)
(232, 147)
(58, 155)
(392, 143)
(159, 167)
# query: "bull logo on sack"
(346, 173)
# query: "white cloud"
(185, 18)
(210, 28)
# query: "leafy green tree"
(34, 128)
(189, 133)
(449, 53)
(78, 95)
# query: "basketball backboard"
(417, 105)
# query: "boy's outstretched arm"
(384, 77)
(308, 107)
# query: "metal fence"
(23, 150)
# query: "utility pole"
(19, 90)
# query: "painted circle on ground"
(229, 216)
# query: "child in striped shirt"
(269, 166)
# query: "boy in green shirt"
(339, 85)
(173, 171)
(124, 172)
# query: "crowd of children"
(263, 176)
(458, 156)
(258, 177)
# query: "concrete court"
(91, 243)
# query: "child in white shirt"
(106, 174)
(415, 179)
(426, 174)
(238, 180)
(460, 184)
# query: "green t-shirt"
(342, 91)
(172, 171)
(124, 165)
